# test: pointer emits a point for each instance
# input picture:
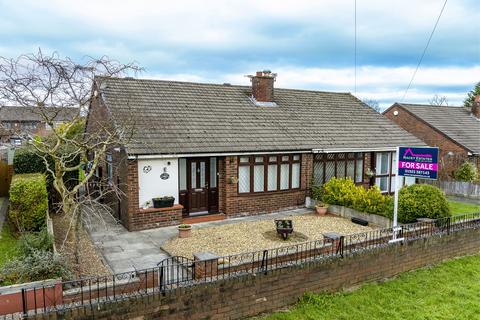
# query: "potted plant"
(317, 193)
(321, 208)
(284, 227)
(163, 202)
(184, 230)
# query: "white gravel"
(253, 235)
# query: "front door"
(198, 179)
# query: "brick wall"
(155, 217)
(249, 295)
(432, 137)
(234, 204)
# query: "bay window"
(268, 173)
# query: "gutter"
(212, 154)
(218, 154)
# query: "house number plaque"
(164, 175)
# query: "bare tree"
(46, 81)
(374, 104)
(439, 100)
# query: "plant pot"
(184, 232)
(163, 203)
(284, 232)
(284, 228)
(321, 211)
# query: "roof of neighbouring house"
(18, 113)
(457, 123)
(172, 117)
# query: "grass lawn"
(462, 207)
(448, 291)
(8, 244)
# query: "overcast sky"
(310, 44)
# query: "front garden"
(240, 237)
(447, 291)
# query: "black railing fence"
(176, 272)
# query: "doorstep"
(205, 218)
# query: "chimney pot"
(262, 86)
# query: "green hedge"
(28, 201)
(27, 161)
(345, 193)
(421, 201)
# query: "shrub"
(35, 241)
(421, 201)
(40, 265)
(317, 192)
(466, 172)
(372, 201)
(26, 160)
(28, 201)
(344, 192)
(340, 191)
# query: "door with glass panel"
(198, 185)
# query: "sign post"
(413, 162)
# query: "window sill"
(258, 194)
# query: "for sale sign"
(418, 162)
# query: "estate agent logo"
(418, 162)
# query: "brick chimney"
(476, 107)
(262, 85)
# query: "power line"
(355, 86)
(424, 50)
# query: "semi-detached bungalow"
(227, 150)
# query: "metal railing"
(177, 272)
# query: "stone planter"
(349, 213)
(184, 231)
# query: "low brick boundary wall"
(249, 295)
(156, 217)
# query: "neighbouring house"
(455, 130)
(19, 123)
(229, 150)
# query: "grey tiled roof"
(456, 122)
(179, 117)
(14, 113)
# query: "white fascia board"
(343, 150)
(217, 154)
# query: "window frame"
(342, 157)
(266, 162)
(390, 175)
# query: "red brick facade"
(234, 204)
(447, 162)
(231, 203)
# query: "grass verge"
(458, 207)
(450, 290)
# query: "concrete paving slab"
(127, 251)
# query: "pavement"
(126, 251)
